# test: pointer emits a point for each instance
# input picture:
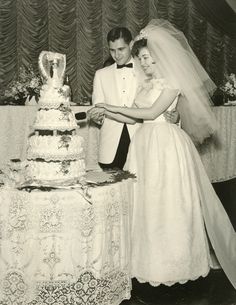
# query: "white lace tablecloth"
(16, 124)
(219, 153)
(59, 249)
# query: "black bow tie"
(130, 65)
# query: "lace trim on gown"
(170, 283)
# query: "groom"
(115, 85)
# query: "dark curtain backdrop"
(78, 28)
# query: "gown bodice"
(148, 93)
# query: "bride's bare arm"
(151, 113)
(121, 118)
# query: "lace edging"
(60, 128)
(169, 283)
(54, 105)
(55, 157)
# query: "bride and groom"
(175, 208)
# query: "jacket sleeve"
(98, 94)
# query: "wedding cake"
(55, 152)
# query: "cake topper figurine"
(52, 66)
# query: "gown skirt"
(175, 211)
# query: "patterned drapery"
(78, 28)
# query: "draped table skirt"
(65, 246)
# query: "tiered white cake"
(55, 152)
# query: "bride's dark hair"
(138, 45)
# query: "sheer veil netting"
(180, 67)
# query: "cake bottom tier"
(55, 171)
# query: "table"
(16, 124)
(65, 247)
(218, 154)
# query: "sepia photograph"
(118, 152)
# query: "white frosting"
(55, 159)
(55, 82)
(51, 97)
(52, 119)
(66, 147)
(55, 171)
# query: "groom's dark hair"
(119, 32)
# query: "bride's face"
(146, 61)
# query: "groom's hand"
(96, 115)
(172, 116)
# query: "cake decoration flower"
(65, 141)
(65, 111)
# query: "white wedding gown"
(173, 203)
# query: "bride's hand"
(101, 105)
(110, 108)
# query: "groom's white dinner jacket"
(115, 87)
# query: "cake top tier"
(52, 66)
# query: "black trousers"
(121, 153)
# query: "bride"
(175, 207)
